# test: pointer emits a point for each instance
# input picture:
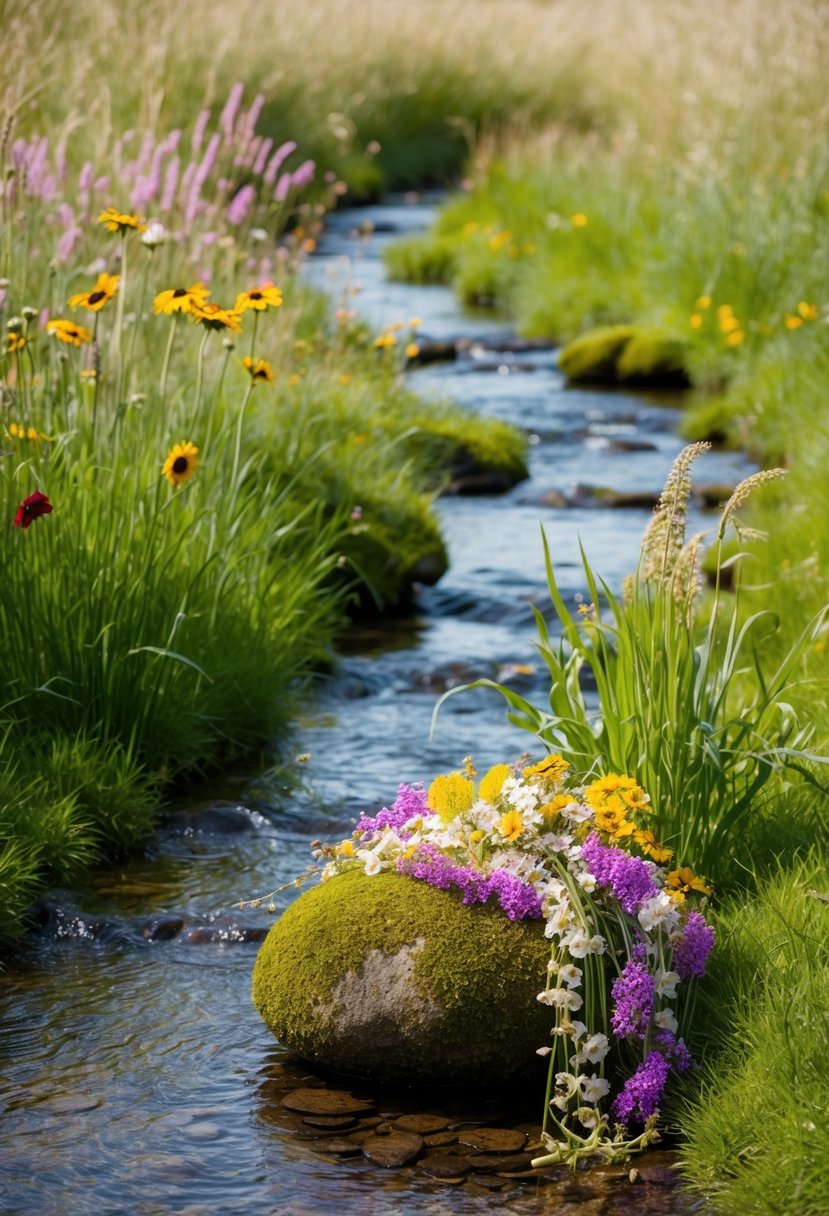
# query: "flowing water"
(135, 1076)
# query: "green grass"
(756, 1137)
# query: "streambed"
(135, 1076)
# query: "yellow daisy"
(212, 316)
(69, 332)
(103, 291)
(180, 299)
(259, 370)
(267, 295)
(181, 463)
(117, 221)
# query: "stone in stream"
(325, 1102)
(493, 1139)
(389, 978)
(421, 1125)
(394, 1150)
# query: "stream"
(135, 1075)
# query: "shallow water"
(135, 1076)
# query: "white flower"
(543, 1051)
(547, 997)
(558, 918)
(659, 910)
(594, 1049)
(154, 234)
(665, 1020)
(563, 998)
(579, 945)
(665, 983)
(594, 1088)
(567, 1084)
(570, 975)
(587, 881)
(587, 1116)
(371, 862)
(556, 842)
(577, 812)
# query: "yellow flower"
(476, 836)
(735, 338)
(551, 768)
(603, 788)
(492, 783)
(19, 432)
(724, 310)
(14, 342)
(116, 221)
(793, 322)
(703, 302)
(180, 299)
(181, 463)
(611, 817)
(103, 291)
(469, 769)
(412, 350)
(728, 323)
(260, 370)
(385, 341)
(450, 795)
(807, 311)
(415, 322)
(345, 378)
(683, 880)
(511, 825)
(346, 849)
(69, 332)
(579, 220)
(261, 298)
(696, 321)
(552, 809)
(212, 316)
(651, 847)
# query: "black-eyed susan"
(69, 332)
(181, 463)
(267, 295)
(15, 342)
(682, 881)
(103, 291)
(180, 299)
(213, 316)
(259, 370)
(117, 221)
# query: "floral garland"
(580, 857)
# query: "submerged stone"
(389, 978)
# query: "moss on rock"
(630, 354)
(387, 977)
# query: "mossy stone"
(631, 354)
(389, 978)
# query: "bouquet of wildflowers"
(623, 933)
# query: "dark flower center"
(95, 297)
(179, 292)
(180, 464)
(256, 295)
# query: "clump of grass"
(696, 716)
(756, 1137)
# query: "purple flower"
(409, 803)
(518, 900)
(240, 205)
(275, 163)
(692, 950)
(632, 994)
(640, 1095)
(628, 877)
(673, 1049)
(227, 118)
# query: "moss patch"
(480, 971)
(630, 354)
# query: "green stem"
(200, 373)
(119, 319)
(165, 367)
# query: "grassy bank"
(203, 474)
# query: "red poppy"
(31, 508)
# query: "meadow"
(641, 164)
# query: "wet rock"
(401, 980)
(630, 354)
(331, 1121)
(224, 931)
(489, 1162)
(447, 1168)
(659, 1169)
(203, 1131)
(223, 818)
(421, 1125)
(449, 676)
(585, 497)
(440, 1139)
(471, 485)
(71, 1104)
(337, 1146)
(493, 1139)
(325, 1102)
(428, 569)
(162, 928)
(431, 350)
(393, 1151)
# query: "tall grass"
(699, 717)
